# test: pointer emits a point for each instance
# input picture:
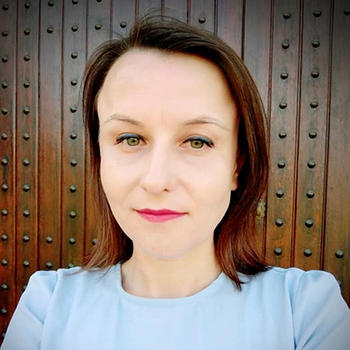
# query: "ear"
(239, 165)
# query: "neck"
(156, 278)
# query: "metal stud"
(5, 7)
(50, 29)
(4, 161)
(4, 237)
(3, 311)
(73, 109)
(4, 84)
(26, 84)
(308, 223)
(26, 263)
(26, 57)
(313, 104)
(26, 136)
(278, 251)
(26, 109)
(72, 214)
(285, 44)
(312, 134)
(201, 19)
(282, 134)
(49, 239)
(283, 105)
(74, 2)
(24, 287)
(310, 194)
(73, 162)
(281, 164)
(4, 286)
(49, 265)
(72, 240)
(317, 13)
(74, 82)
(311, 163)
(307, 252)
(70, 265)
(286, 15)
(279, 222)
(339, 254)
(284, 75)
(315, 43)
(94, 241)
(4, 187)
(75, 27)
(4, 262)
(72, 188)
(73, 135)
(26, 238)
(98, 26)
(26, 212)
(4, 212)
(4, 110)
(26, 31)
(4, 136)
(315, 74)
(27, 4)
(26, 188)
(123, 24)
(279, 193)
(74, 54)
(4, 33)
(4, 58)
(51, 3)
(26, 162)
(347, 11)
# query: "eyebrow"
(203, 119)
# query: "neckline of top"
(207, 291)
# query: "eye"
(132, 140)
(197, 142)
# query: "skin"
(162, 169)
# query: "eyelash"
(206, 141)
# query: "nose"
(158, 175)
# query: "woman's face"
(181, 125)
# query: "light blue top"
(278, 309)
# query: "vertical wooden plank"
(256, 43)
(284, 116)
(73, 138)
(202, 14)
(8, 17)
(122, 18)
(26, 120)
(312, 134)
(148, 5)
(49, 162)
(176, 8)
(230, 23)
(99, 29)
(337, 238)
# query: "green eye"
(196, 143)
(131, 140)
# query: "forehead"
(150, 79)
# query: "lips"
(159, 212)
(159, 215)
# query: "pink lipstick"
(159, 215)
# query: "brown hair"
(234, 237)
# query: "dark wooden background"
(298, 53)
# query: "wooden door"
(298, 53)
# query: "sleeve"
(321, 316)
(27, 321)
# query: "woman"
(179, 156)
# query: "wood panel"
(297, 53)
